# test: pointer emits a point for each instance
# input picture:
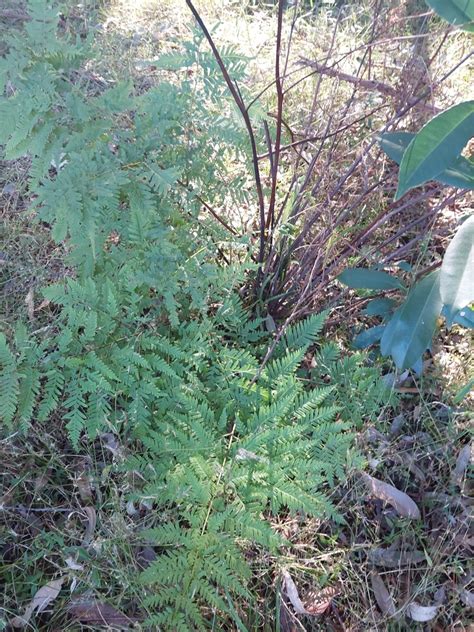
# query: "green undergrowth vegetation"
(146, 340)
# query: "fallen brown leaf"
(30, 303)
(44, 596)
(91, 522)
(420, 613)
(400, 501)
(291, 591)
(462, 462)
(83, 484)
(394, 558)
(89, 611)
(382, 596)
(316, 602)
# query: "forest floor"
(363, 574)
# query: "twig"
(367, 84)
(248, 124)
(279, 90)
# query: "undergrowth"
(148, 339)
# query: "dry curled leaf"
(394, 558)
(45, 595)
(291, 591)
(400, 501)
(462, 462)
(91, 522)
(382, 596)
(467, 597)
(41, 481)
(91, 612)
(420, 613)
(73, 565)
(30, 303)
(83, 484)
(316, 602)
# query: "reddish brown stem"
(248, 124)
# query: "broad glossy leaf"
(436, 146)
(459, 174)
(417, 367)
(365, 278)
(368, 337)
(457, 271)
(465, 317)
(379, 307)
(457, 12)
(410, 330)
(395, 143)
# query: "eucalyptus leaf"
(410, 330)
(457, 12)
(365, 278)
(436, 146)
(401, 502)
(457, 271)
(459, 174)
(383, 598)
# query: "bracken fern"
(150, 340)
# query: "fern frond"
(305, 332)
(9, 383)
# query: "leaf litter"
(43, 597)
